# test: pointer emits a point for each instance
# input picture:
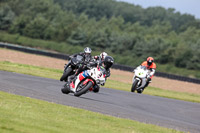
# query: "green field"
(55, 74)
(20, 114)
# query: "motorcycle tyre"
(84, 90)
(134, 85)
(96, 90)
(66, 74)
(140, 91)
(65, 89)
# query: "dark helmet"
(108, 62)
(150, 60)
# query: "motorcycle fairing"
(95, 76)
(81, 76)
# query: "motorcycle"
(140, 79)
(87, 81)
(71, 67)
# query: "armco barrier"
(115, 66)
(34, 51)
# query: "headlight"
(98, 81)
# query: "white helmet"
(87, 50)
(103, 55)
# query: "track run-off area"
(170, 113)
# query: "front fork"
(66, 66)
(136, 78)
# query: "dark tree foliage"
(6, 17)
(128, 32)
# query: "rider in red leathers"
(149, 63)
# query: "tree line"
(128, 32)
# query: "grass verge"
(55, 74)
(20, 114)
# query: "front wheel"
(140, 91)
(82, 89)
(66, 74)
(134, 86)
(65, 89)
(96, 89)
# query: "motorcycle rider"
(149, 63)
(101, 57)
(86, 54)
(105, 62)
(86, 57)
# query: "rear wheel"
(66, 74)
(134, 86)
(82, 89)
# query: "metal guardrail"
(115, 66)
(34, 51)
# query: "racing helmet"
(108, 62)
(87, 53)
(103, 55)
(150, 60)
(87, 50)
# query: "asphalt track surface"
(170, 113)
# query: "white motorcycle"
(140, 79)
(88, 80)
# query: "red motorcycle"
(86, 81)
